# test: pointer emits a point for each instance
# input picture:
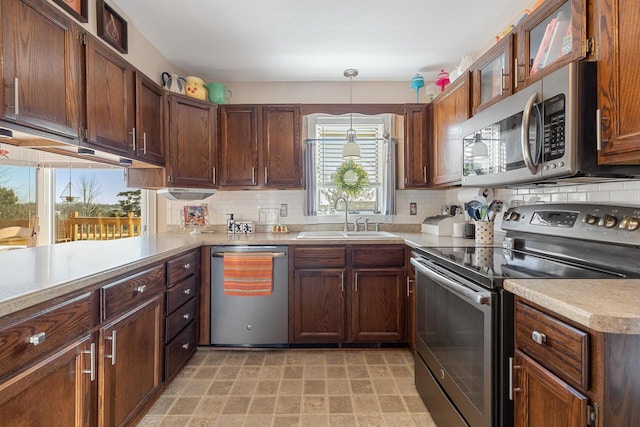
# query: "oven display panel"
(554, 218)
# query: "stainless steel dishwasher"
(250, 321)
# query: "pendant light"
(351, 150)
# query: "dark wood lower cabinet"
(542, 399)
(130, 362)
(319, 302)
(58, 391)
(378, 305)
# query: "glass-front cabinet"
(552, 36)
(492, 75)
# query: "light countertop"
(605, 305)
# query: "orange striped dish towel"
(248, 274)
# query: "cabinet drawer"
(180, 318)
(37, 335)
(178, 351)
(562, 348)
(179, 294)
(183, 266)
(378, 256)
(126, 293)
(318, 257)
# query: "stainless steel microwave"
(543, 133)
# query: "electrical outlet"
(413, 208)
(284, 210)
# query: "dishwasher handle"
(480, 298)
(248, 254)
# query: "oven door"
(456, 333)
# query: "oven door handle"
(478, 297)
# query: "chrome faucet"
(346, 212)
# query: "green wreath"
(351, 178)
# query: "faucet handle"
(356, 224)
(366, 224)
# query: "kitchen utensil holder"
(484, 232)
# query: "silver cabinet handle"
(186, 316)
(140, 289)
(424, 174)
(356, 282)
(92, 366)
(515, 73)
(266, 175)
(342, 282)
(187, 292)
(133, 138)
(185, 346)
(409, 291)
(512, 389)
(538, 337)
(213, 172)
(38, 339)
(144, 142)
(16, 96)
(253, 175)
(112, 356)
(186, 266)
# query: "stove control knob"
(591, 219)
(610, 221)
(514, 216)
(633, 224)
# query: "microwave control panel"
(554, 127)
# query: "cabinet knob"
(187, 291)
(538, 337)
(185, 346)
(140, 289)
(186, 266)
(38, 338)
(186, 316)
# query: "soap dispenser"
(230, 224)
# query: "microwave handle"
(524, 135)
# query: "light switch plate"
(284, 210)
(269, 216)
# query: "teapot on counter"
(173, 83)
(218, 94)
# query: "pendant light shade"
(479, 149)
(351, 150)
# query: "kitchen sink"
(359, 235)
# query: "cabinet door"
(450, 109)
(544, 400)
(378, 305)
(149, 113)
(281, 147)
(110, 90)
(57, 391)
(192, 148)
(416, 140)
(551, 37)
(492, 75)
(130, 363)
(618, 44)
(318, 306)
(239, 146)
(40, 67)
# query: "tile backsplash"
(246, 205)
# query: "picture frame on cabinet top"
(76, 8)
(112, 27)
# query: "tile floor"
(293, 387)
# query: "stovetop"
(570, 241)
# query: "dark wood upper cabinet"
(110, 100)
(41, 67)
(192, 148)
(617, 49)
(492, 75)
(450, 109)
(239, 146)
(552, 36)
(281, 146)
(149, 116)
(417, 118)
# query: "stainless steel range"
(464, 325)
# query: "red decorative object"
(443, 79)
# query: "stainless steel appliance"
(546, 131)
(247, 321)
(464, 325)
